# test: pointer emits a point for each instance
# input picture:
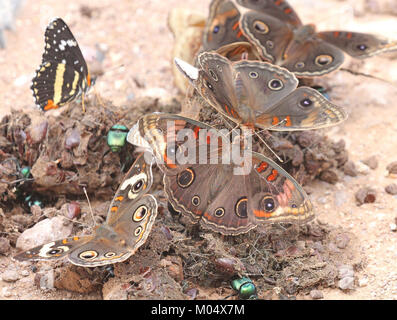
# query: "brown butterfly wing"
(216, 196)
(303, 109)
(358, 45)
(264, 84)
(312, 57)
(53, 250)
(216, 84)
(222, 25)
(239, 51)
(117, 241)
(278, 9)
(268, 34)
(136, 182)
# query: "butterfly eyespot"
(299, 65)
(306, 102)
(88, 255)
(53, 252)
(268, 203)
(216, 29)
(209, 86)
(140, 214)
(138, 231)
(241, 208)
(185, 178)
(261, 27)
(219, 212)
(196, 201)
(213, 74)
(138, 186)
(253, 74)
(270, 44)
(109, 254)
(323, 60)
(362, 47)
(275, 84)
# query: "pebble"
(316, 294)
(5, 292)
(350, 169)
(392, 168)
(329, 176)
(45, 280)
(44, 231)
(362, 282)
(346, 271)
(393, 227)
(371, 162)
(365, 195)
(391, 188)
(10, 276)
(362, 168)
(342, 240)
(346, 283)
(4, 245)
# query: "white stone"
(45, 231)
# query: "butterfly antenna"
(89, 205)
(356, 73)
(267, 146)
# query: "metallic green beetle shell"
(116, 137)
(245, 288)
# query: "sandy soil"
(138, 62)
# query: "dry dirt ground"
(137, 45)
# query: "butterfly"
(63, 74)
(229, 198)
(129, 221)
(279, 36)
(260, 94)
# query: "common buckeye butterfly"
(130, 219)
(260, 94)
(207, 190)
(279, 36)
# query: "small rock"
(362, 168)
(73, 210)
(10, 276)
(391, 189)
(346, 283)
(5, 292)
(46, 230)
(25, 273)
(345, 271)
(350, 169)
(44, 280)
(371, 162)
(113, 290)
(342, 240)
(392, 168)
(365, 195)
(4, 245)
(362, 282)
(329, 176)
(393, 227)
(316, 294)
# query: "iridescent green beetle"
(25, 171)
(117, 136)
(245, 287)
